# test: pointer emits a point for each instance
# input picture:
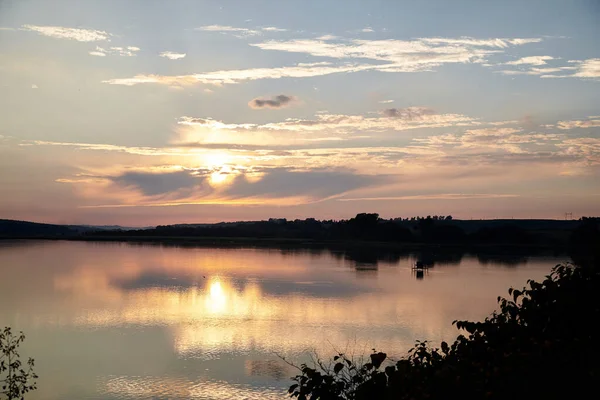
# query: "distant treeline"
(370, 227)
(579, 237)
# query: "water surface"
(126, 321)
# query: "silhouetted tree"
(16, 379)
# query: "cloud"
(34, 86)
(172, 55)
(159, 183)
(537, 71)
(367, 30)
(443, 196)
(129, 51)
(421, 54)
(316, 184)
(410, 113)
(60, 32)
(589, 69)
(218, 78)
(273, 29)
(276, 102)
(144, 151)
(177, 185)
(391, 56)
(2, 28)
(328, 37)
(587, 149)
(386, 101)
(531, 60)
(99, 52)
(489, 138)
(469, 41)
(237, 32)
(328, 124)
(593, 122)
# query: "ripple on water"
(152, 387)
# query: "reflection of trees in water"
(366, 270)
(433, 257)
(369, 257)
(507, 260)
(271, 368)
(362, 256)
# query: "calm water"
(122, 321)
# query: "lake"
(127, 321)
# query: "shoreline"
(303, 243)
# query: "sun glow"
(216, 302)
(221, 175)
(217, 177)
(216, 159)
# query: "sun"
(216, 159)
(218, 177)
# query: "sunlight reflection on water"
(117, 321)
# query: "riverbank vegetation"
(542, 343)
(16, 378)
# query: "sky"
(153, 112)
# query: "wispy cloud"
(531, 60)
(511, 140)
(328, 37)
(145, 151)
(236, 76)
(589, 69)
(385, 101)
(443, 196)
(328, 124)
(280, 101)
(409, 114)
(240, 32)
(272, 29)
(400, 55)
(152, 183)
(469, 41)
(172, 185)
(172, 55)
(78, 34)
(586, 149)
(390, 55)
(237, 32)
(316, 184)
(129, 51)
(537, 71)
(3, 28)
(592, 122)
(367, 30)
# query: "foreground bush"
(542, 344)
(16, 379)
